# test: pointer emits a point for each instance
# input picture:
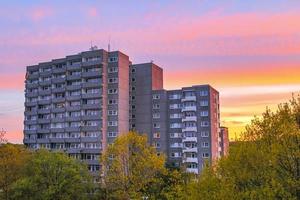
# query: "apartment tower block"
(82, 102)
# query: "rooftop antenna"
(108, 47)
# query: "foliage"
(265, 164)
(52, 176)
(12, 160)
(2, 137)
(129, 164)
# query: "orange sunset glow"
(248, 50)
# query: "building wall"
(82, 102)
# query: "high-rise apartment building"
(82, 102)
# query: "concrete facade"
(81, 103)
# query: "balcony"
(43, 121)
(192, 170)
(44, 102)
(190, 160)
(73, 119)
(74, 77)
(74, 98)
(43, 111)
(189, 119)
(190, 139)
(190, 150)
(91, 74)
(59, 70)
(30, 122)
(91, 106)
(73, 108)
(189, 108)
(74, 66)
(58, 90)
(188, 98)
(58, 99)
(92, 84)
(33, 103)
(58, 80)
(44, 83)
(91, 117)
(32, 85)
(92, 95)
(45, 92)
(92, 62)
(190, 129)
(73, 87)
(31, 94)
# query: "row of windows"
(180, 135)
(64, 135)
(179, 96)
(179, 106)
(88, 145)
(184, 124)
(180, 115)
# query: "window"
(132, 97)
(113, 59)
(113, 91)
(176, 154)
(203, 93)
(205, 155)
(133, 79)
(133, 107)
(112, 134)
(156, 115)
(75, 93)
(175, 125)
(203, 103)
(175, 115)
(133, 70)
(112, 101)
(156, 135)
(204, 133)
(175, 135)
(204, 113)
(156, 106)
(75, 114)
(112, 69)
(156, 125)
(92, 112)
(112, 112)
(133, 88)
(91, 134)
(205, 144)
(92, 123)
(174, 96)
(113, 80)
(157, 144)
(175, 106)
(156, 96)
(175, 145)
(112, 123)
(75, 103)
(204, 124)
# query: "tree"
(2, 137)
(129, 164)
(12, 161)
(265, 164)
(53, 176)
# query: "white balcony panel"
(189, 108)
(189, 119)
(188, 98)
(190, 160)
(190, 150)
(192, 170)
(189, 129)
(190, 139)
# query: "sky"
(249, 50)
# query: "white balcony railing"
(190, 150)
(189, 108)
(190, 129)
(188, 98)
(192, 170)
(190, 160)
(189, 119)
(190, 139)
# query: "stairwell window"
(113, 91)
(156, 96)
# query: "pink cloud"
(93, 12)
(39, 13)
